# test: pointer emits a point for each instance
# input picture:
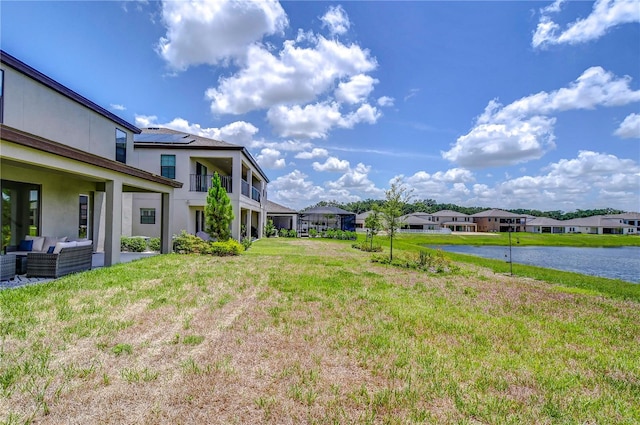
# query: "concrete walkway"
(97, 261)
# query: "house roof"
(415, 219)
(274, 208)
(497, 213)
(545, 221)
(449, 213)
(625, 216)
(166, 138)
(327, 210)
(597, 221)
(38, 76)
(363, 215)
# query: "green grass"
(310, 331)
(572, 281)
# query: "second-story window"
(168, 166)
(121, 146)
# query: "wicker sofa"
(7, 267)
(68, 260)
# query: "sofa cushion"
(51, 241)
(60, 245)
(86, 242)
(25, 245)
(38, 242)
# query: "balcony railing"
(250, 191)
(245, 188)
(255, 194)
(202, 182)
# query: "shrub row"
(334, 234)
(185, 243)
(284, 233)
(423, 260)
(139, 244)
(366, 246)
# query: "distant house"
(66, 164)
(194, 159)
(599, 225)
(455, 221)
(499, 221)
(630, 218)
(324, 218)
(360, 219)
(545, 225)
(418, 222)
(282, 217)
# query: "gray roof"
(273, 208)
(596, 221)
(416, 219)
(327, 210)
(449, 213)
(497, 213)
(545, 221)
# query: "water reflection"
(616, 263)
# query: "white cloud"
(312, 121)
(449, 185)
(630, 127)
(521, 131)
(118, 107)
(314, 153)
(356, 180)
(490, 145)
(606, 14)
(271, 158)
(332, 164)
(336, 20)
(295, 75)
(315, 121)
(385, 101)
(210, 31)
(295, 191)
(239, 132)
(356, 90)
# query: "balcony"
(248, 190)
(202, 183)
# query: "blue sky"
(496, 104)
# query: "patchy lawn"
(310, 331)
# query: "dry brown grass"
(261, 352)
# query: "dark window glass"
(147, 216)
(168, 166)
(121, 146)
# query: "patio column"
(166, 245)
(248, 222)
(113, 222)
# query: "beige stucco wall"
(36, 109)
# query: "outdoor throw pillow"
(38, 242)
(50, 250)
(25, 245)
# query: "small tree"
(396, 197)
(218, 211)
(372, 223)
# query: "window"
(20, 211)
(168, 166)
(1, 95)
(121, 146)
(147, 216)
(83, 217)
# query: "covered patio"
(325, 218)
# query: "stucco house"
(496, 220)
(417, 222)
(545, 225)
(324, 218)
(193, 159)
(455, 221)
(282, 217)
(65, 163)
(599, 225)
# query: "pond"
(615, 263)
